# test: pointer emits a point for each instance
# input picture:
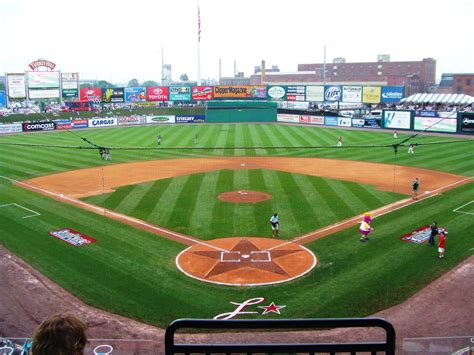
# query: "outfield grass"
(132, 272)
(189, 204)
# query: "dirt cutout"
(244, 196)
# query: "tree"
(133, 83)
(150, 83)
(104, 84)
(184, 77)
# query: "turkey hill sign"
(42, 63)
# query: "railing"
(387, 347)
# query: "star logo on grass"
(272, 308)
(245, 254)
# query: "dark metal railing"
(387, 347)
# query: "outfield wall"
(241, 111)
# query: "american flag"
(199, 25)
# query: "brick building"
(417, 76)
(452, 83)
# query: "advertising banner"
(3, 99)
(312, 119)
(202, 93)
(102, 122)
(396, 119)
(344, 121)
(80, 123)
(420, 235)
(160, 119)
(315, 93)
(436, 124)
(157, 93)
(91, 94)
(283, 117)
(371, 94)
(113, 95)
(331, 120)
(299, 105)
(358, 122)
(180, 93)
(373, 122)
(43, 94)
(392, 93)
(135, 94)
(70, 93)
(16, 86)
(352, 94)
(39, 126)
(240, 92)
(295, 93)
(10, 128)
(467, 121)
(130, 120)
(276, 93)
(63, 124)
(43, 79)
(70, 80)
(190, 119)
(332, 93)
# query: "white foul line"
(122, 216)
(17, 205)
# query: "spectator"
(60, 335)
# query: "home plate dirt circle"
(244, 196)
(246, 261)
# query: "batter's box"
(230, 256)
(467, 208)
(260, 256)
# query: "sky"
(117, 40)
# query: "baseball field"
(182, 229)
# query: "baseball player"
(274, 221)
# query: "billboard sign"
(202, 93)
(371, 94)
(3, 99)
(43, 94)
(16, 86)
(315, 93)
(392, 93)
(70, 93)
(70, 80)
(240, 92)
(344, 121)
(276, 93)
(435, 124)
(160, 119)
(43, 79)
(467, 122)
(103, 122)
(80, 124)
(332, 93)
(157, 93)
(331, 120)
(283, 117)
(42, 63)
(131, 120)
(135, 94)
(190, 119)
(312, 119)
(180, 93)
(10, 128)
(39, 126)
(113, 95)
(63, 124)
(91, 94)
(352, 94)
(295, 93)
(396, 119)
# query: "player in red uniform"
(442, 244)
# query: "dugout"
(241, 111)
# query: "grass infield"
(133, 273)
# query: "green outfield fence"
(241, 111)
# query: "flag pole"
(199, 48)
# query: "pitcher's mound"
(244, 196)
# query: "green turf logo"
(160, 118)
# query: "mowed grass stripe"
(222, 214)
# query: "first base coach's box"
(241, 111)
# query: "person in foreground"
(60, 334)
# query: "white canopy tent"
(454, 99)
